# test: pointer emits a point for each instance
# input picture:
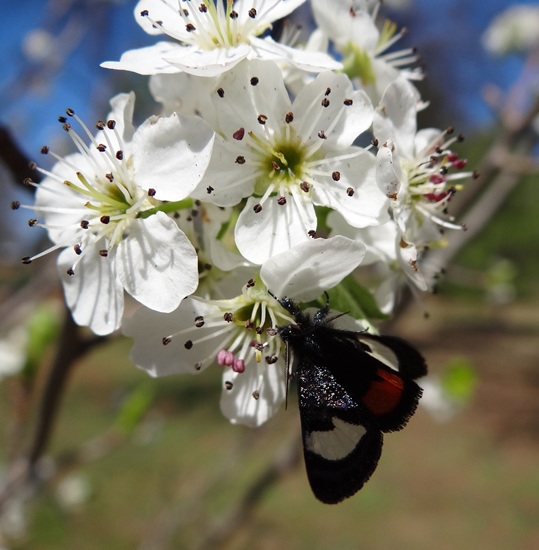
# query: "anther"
(70, 272)
(289, 117)
(240, 159)
(151, 192)
(32, 222)
(325, 102)
(111, 124)
(44, 150)
(238, 366)
(312, 233)
(190, 27)
(70, 112)
(15, 205)
(322, 134)
(336, 176)
(262, 119)
(220, 92)
(348, 102)
(100, 125)
(281, 201)
(327, 92)
(305, 186)
(256, 394)
(250, 283)
(252, 13)
(228, 385)
(26, 260)
(228, 317)
(120, 155)
(166, 340)
(238, 134)
(254, 80)
(199, 321)
(209, 189)
(104, 219)
(85, 224)
(103, 253)
(77, 249)
(350, 192)
(257, 208)
(188, 344)
(101, 148)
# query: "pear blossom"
(103, 206)
(351, 26)
(513, 30)
(211, 37)
(419, 172)
(240, 334)
(287, 157)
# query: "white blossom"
(211, 37)
(102, 206)
(351, 26)
(287, 157)
(419, 172)
(240, 334)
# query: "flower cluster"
(273, 170)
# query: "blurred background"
(134, 462)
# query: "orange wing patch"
(384, 393)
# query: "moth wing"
(341, 443)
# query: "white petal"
(225, 182)
(161, 10)
(157, 263)
(274, 229)
(171, 154)
(341, 123)
(148, 60)
(148, 328)
(93, 294)
(278, 10)
(123, 106)
(306, 60)
(242, 100)
(208, 63)
(398, 122)
(388, 172)
(305, 271)
(238, 403)
(367, 206)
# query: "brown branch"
(70, 348)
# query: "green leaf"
(353, 298)
(43, 327)
(135, 406)
(459, 380)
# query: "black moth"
(352, 387)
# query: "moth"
(352, 388)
